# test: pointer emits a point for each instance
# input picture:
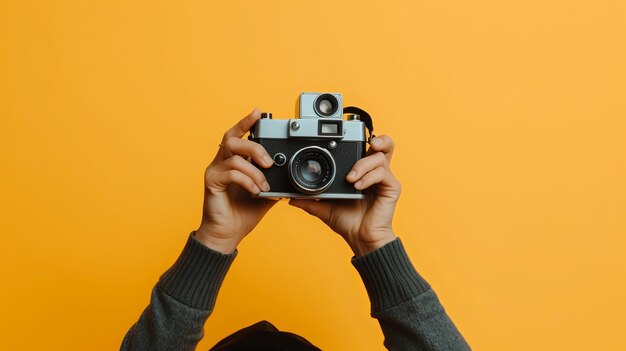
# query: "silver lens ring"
(319, 156)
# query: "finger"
(378, 175)
(366, 164)
(319, 209)
(238, 163)
(226, 178)
(247, 148)
(243, 126)
(384, 144)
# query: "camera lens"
(312, 170)
(326, 105)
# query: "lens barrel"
(312, 170)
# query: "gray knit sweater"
(409, 312)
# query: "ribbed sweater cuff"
(389, 276)
(197, 275)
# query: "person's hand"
(364, 224)
(229, 212)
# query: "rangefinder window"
(330, 128)
(326, 105)
(320, 105)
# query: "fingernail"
(351, 175)
(256, 189)
(267, 160)
(377, 142)
(265, 186)
(358, 184)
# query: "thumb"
(319, 209)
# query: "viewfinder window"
(330, 128)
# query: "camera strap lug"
(365, 118)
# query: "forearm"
(408, 310)
(181, 301)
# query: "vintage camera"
(314, 153)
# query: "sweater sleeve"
(181, 301)
(408, 310)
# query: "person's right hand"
(229, 212)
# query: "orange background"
(509, 118)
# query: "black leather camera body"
(313, 153)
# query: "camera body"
(313, 153)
